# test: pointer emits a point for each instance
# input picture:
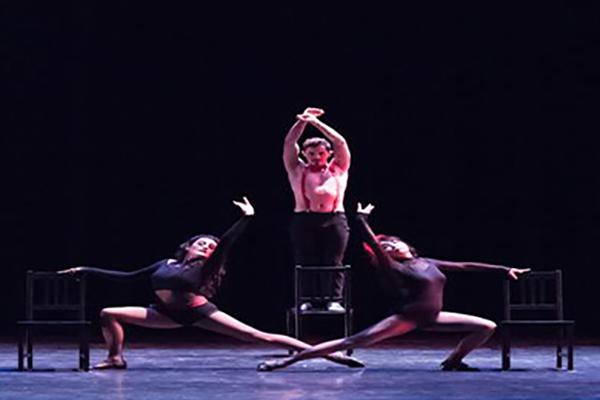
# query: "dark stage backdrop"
(128, 126)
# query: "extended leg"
(389, 327)
(227, 325)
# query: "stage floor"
(227, 371)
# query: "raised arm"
(369, 237)
(291, 149)
(111, 274)
(477, 266)
(219, 256)
(341, 152)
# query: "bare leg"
(112, 328)
(222, 323)
(389, 327)
(480, 331)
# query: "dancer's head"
(394, 246)
(317, 151)
(195, 250)
(197, 246)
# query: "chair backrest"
(305, 271)
(49, 295)
(536, 295)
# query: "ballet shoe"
(267, 366)
(341, 358)
(111, 363)
(460, 366)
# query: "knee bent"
(106, 316)
(489, 326)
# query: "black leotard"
(185, 280)
(190, 276)
(418, 280)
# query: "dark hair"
(382, 238)
(315, 142)
(214, 281)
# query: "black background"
(129, 126)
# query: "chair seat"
(558, 322)
(318, 312)
(53, 323)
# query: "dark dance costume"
(320, 239)
(418, 281)
(186, 279)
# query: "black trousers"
(320, 239)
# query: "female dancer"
(421, 284)
(183, 286)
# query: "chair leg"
(289, 329)
(298, 293)
(505, 347)
(21, 339)
(297, 323)
(29, 348)
(559, 345)
(84, 349)
(346, 322)
(349, 332)
(570, 362)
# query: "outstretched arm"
(116, 275)
(341, 151)
(513, 273)
(369, 237)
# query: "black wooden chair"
(295, 315)
(536, 299)
(53, 300)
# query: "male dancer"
(319, 227)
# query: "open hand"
(310, 115)
(306, 118)
(317, 112)
(514, 273)
(71, 271)
(365, 210)
(245, 206)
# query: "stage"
(228, 371)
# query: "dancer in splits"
(319, 229)
(420, 283)
(183, 286)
